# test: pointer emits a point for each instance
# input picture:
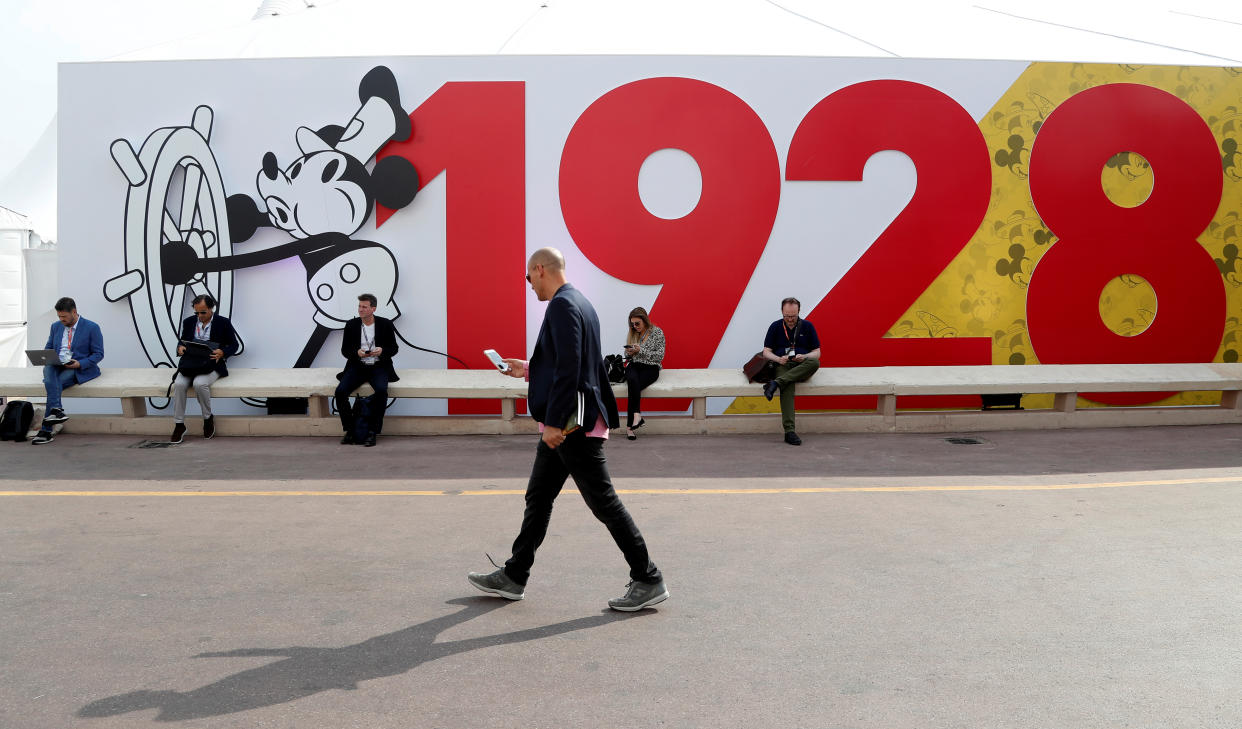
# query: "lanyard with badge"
(791, 341)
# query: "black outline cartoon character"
(321, 199)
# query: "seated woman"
(644, 351)
(203, 326)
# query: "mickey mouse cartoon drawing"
(321, 199)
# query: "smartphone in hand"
(496, 360)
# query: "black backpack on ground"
(16, 419)
(362, 416)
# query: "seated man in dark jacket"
(368, 346)
(204, 326)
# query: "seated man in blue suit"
(81, 347)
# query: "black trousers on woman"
(638, 376)
(582, 458)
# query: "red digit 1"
(1098, 240)
(703, 259)
(477, 132)
(834, 142)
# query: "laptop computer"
(41, 357)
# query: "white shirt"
(65, 354)
(368, 341)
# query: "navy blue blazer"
(222, 333)
(87, 347)
(568, 360)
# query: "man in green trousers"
(793, 345)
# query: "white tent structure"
(1189, 32)
(1202, 32)
(1193, 32)
(27, 265)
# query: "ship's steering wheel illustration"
(176, 196)
(180, 227)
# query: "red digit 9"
(703, 259)
(1098, 240)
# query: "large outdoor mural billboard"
(924, 212)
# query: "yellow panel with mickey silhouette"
(983, 292)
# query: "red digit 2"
(950, 156)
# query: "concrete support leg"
(134, 407)
(888, 408)
(317, 407)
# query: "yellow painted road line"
(671, 491)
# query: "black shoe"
(55, 416)
(771, 389)
(209, 427)
(792, 438)
(178, 434)
(44, 436)
(370, 441)
(348, 439)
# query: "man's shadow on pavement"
(307, 671)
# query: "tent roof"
(1193, 32)
(13, 220)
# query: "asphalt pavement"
(1016, 579)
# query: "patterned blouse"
(651, 348)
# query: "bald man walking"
(570, 397)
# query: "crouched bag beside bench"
(15, 420)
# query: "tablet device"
(42, 357)
(192, 343)
(496, 360)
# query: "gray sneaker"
(497, 583)
(639, 595)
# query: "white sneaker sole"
(635, 608)
(494, 591)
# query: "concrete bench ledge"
(133, 385)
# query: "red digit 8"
(1098, 240)
(703, 259)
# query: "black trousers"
(582, 458)
(638, 376)
(353, 378)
